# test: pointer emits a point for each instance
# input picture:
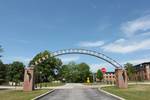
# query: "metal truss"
(87, 52)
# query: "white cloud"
(69, 58)
(137, 61)
(138, 30)
(133, 27)
(91, 44)
(127, 46)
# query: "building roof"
(110, 73)
(140, 65)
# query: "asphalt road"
(77, 94)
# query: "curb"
(42, 95)
(120, 98)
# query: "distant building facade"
(108, 77)
(142, 71)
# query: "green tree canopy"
(99, 75)
(3, 73)
(45, 70)
(16, 72)
(65, 73)
(73, 72)
(130, 69)
(84, 71)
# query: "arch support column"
(121, 78)
(28, 84)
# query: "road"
(77, 92)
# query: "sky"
(118, 28)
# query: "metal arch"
(87, 52)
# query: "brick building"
(109, 77)
(142, 71)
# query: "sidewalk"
(130, 83)
(70, 86)
(11, 87)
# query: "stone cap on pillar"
(29, 68)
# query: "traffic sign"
(103, 70)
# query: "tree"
(84, 71)
(65, 73)
(73, 72)
(3, 73)
(99, 75)
(130, 70)
(16, 72)
(68, 72)
(44, 71)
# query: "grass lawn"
(134, 92)
(19, 94)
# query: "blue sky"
(117, 28)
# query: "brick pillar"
(121, 78)
(28, 84)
